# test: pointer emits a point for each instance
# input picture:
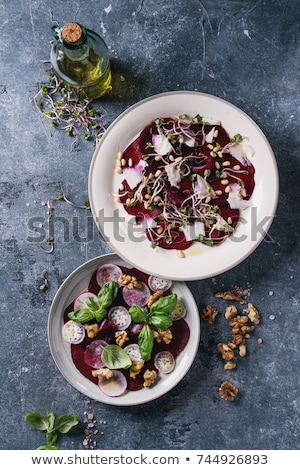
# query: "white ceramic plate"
(201, 261)
(61, 350)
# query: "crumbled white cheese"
(173, 174)
(235, 200)
(210, 136)
(135, 174)
(201, 187)
(161, 144)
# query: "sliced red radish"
(156, 283)
(137, 295)
(93, 353)
(73, 332)
(164, 362)
(133, 352)
(80, 301)
(120, 317)
(115, 386)
(108, 272)
(179, 311)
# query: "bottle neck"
(77, 54)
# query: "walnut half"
(149, 377)
(228, 391)
(209, 314)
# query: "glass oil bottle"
(80, 58)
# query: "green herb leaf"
(91, 304)
(107, 294)
(164, 305)
(138, 314)
(145, 342)
(51, 437)
(114, 357)
(100, 314)
(163, 322)
(82, 315)
(37, 421)
(48, 448)
(64, 423)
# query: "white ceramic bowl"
(76, 283)
(202, 261)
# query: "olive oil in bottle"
(80, 57)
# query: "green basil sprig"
(114, 357)
(97, 310)
(52, 425)
(159, 316)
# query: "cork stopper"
(72, 33)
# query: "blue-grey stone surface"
(246, 52)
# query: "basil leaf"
(51, 437)
(48, 448)
(100, 314)
(114, 357)
(107, 294)
(163, 322)
(164, 305)
(37, 421)
(145, 342)
(138, 314)
(91, 304)
(64, 423)
(51, 418)
(82, 315)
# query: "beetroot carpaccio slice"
(180, 178)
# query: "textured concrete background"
(246, 52)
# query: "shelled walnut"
(129, 281)
(91, 330)
(253, 314)
(226, 351)
(228, 391)
(149, 377)
(162, 335)
(103, 373)
(209, 313)
(229, 295)
(154, 297)
(121, 337)
(136, 368)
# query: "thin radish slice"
(115, 386)
(73, 332)
(120, 317)
(164, 362)
(179, 311)
(156, 283)
(137, 295)
(108, 272)
(93, 353)
(80, 301)
(133, 352)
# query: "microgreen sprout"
(68, 109)
(50, 207)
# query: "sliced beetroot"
(93, 353)
(108, 272)
(73, 332)
(133, 351)
(156, 283)
(120, 317)
(137, 295)
(115, 386)
(80, 301)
